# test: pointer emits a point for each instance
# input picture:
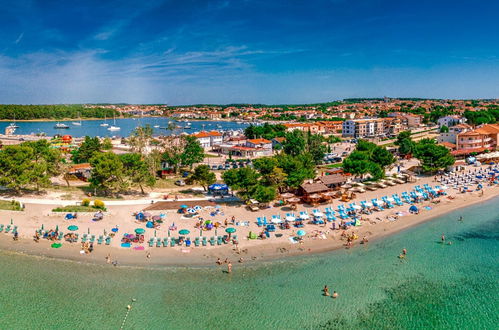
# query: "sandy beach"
(319, 238)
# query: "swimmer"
(241, 260)
(450, 243)
(326, 290)
(229, 268)
(443, 238)
(461, 218)
(335, 294)
(404, 251)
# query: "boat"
(156, 126)
(104, 124)
(61, 126)
(114, 127)
(13, 124)
(188, 126)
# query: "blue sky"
(245, 51)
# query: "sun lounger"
(84, 238)
(377, 204)
(1, 228)
(76, 237)
(196, 241)
(92, 238)
(270, 228)
(172, 241)
(259, 221)
(204, 242)
(234, 239)
(212, 241)
(188, 242)
(100, 240)
(14, 229)
(264, 221)
(151, 242)
(304, 215)
(108, 240)
(7, 229)
(158, 242)
(219, 240)
(165, 242)
(276, 219)
(61, 235)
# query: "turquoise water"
(436, 287)
(93, 128)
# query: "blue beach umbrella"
(413, 208)
(301, 232)
(183, 206)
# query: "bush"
(98, 204)
(85, 202)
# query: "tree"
(242, 179)
(107, 144)
(432, 157)
(296, 168)
(382, 157)
(405, 143)
(294, 143)
(140, 139)
(193, 152)
(316, 147)
(136, 171)
(172, 155)
(107, 173)
(16, 167)
(204, 176)
(88, 149)
(264, 194)
(265, 165)
(444, 129)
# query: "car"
(234, 165)
(227, 166)
(336, 160)
(221, 167)
(180, 183)
(214, 167)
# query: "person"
(335, 294)
(326, 290)
(229, 268)
(91, 248)
(148, 255)
(443, 238)
(241, 260)
(461, 218)
(219, 262)
(115, 263)
(404, 251)
(16, 236)
(108, 258)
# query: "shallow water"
(436, 287)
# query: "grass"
(77, 208)
(10, 205)
(334, 165)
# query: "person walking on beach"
(148, 255)
(229, 267)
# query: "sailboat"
(61, 126)
(77, 123)
(104, 124)
(13, 125)
(114, 127)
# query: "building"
(407, 120)
(304, 127)
(451, 136)
(479, 139)
(451, 121)
(277, 142)
(371, 127)
(208, 139)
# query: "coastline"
(268, 251)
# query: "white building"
(208, 139)
(451, 121)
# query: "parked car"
(180, 183)
(221, 167)
(214, 167)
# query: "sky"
(246, 51)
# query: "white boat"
(13, 124)
(156, 126)
(104, 124)
(77, 123)
(61, 126)
(114, 127)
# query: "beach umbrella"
(198, 208)
(56, 245)
(149, 224)
(168, 232)
(73, 228)
(191, 211)
(355, 206)
(42, 226)
(88, 230)
(57, 228)
(11, 221)
(140, 231)
(147, 214)
(184, 232)
(230, 230)
(114, 230)
(413, 208)
(156, 217)
(287, 195)
(183, 206)
(154, 233)
(301, 233)
(200, 231)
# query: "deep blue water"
(93, 128)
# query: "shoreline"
(269, 251)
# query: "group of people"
(229, 264)
(327, 294)
(87, 247)
(52, 235)
(350, 238)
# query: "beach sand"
(250, 250)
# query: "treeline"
(58, 111)
(489, 116)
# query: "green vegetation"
(489, 116)
(405, 143)
(368, 158)
(28, 165)
(204, 176)
(10, 205)
(265, 131)
(444, 129)
(432, 157)
(88, 149)
(29, 112)
(185, 152)
(77, 208)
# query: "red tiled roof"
(258, 141)
(467, 151)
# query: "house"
(80, 171)
(277, 142)
(450, 120)
(308, 189)
(259, 143)
(208, 139)
(333, 180)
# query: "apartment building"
(451, 121)
(479, 139)
(371, 127)
(451, 136)
(208, 139)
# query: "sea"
(437, 286)
(127, 125)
